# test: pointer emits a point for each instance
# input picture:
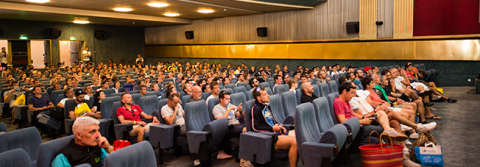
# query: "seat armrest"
(163, 133)
(195, 138)
(68, 126)
(353, 126)
(336, 135)
(289, 119)
(262, 148)
(314, 153)
(120, 129)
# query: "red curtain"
(445, 17)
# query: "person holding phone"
(11, 95)
(88, 146)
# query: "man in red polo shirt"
(130, 113)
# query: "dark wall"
(120, 42)
(450, 73)
(445, 17)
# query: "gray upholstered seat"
(264, 85)
(279, 89)
(28, 139)
(139, 154)
(277, 110)
(333, 86)
(15, 157)
(49, 150)
(240, 89)
(324, 89)
(289, 101)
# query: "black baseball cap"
(79, 92)
(351, 66)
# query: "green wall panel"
(120, 42)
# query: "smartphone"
(16, 88)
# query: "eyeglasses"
(349, 88)
(224, 91)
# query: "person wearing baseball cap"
(81, 107)
(368, 70)
(351, 68)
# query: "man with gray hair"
(196, 94)
(88, 146)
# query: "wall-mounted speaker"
(262, 31)
(353, 27)
(55, 32)
(99, 34)
(189, 34)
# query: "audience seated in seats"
(88, 146)
(39, 103)
(263, 121)
(307, 93)
(11, 95)
(98, 96)
(88, 91)
(215, 91)
(173, 113)
(254, 83)
(322, 77)
(206, 88)
(130, 113)
(142, 89)
(196, 94)
(358, 77)
(293, 84)
(69, 95)
(230, 112)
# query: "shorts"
(147, 129)
(4, 65)
(405, 97)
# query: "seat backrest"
(264, 85)
(324, 89)
(277, 108)
(49, 150)
(206, 94)
(136, 98)
(244, 84)
(156, 93)
(342, 74)
(336, 76)
(65, 109)
(107, 106)
(306, 129)
(289, 101)
(298, 95)
(60, 97)
(15, 157)
(185, 100)
(3, 127)
(54, 97)
(108, 92)
(331, 97)
(249, 95)
(279, 89)
(323, 114)
(211, 104)
(161, 103)
(196, 115)
(333, 86)
(28, 139)
(240, 89)
(96, 87)
(139, 154)
(422, 66)
(269, 91)
(149, 104)
(231, 86)
(316, 90)
(248, 114)
(238, 98)
(115, 107)
(117, 94)
(230, 90)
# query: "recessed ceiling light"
(38, 1)
(205, 11)
(171, 14)
(123, 9)
(81, 22)
(158, 5)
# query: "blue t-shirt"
(39, 102)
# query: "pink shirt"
(342, 108)
(127, 114)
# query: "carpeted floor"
(457, 132)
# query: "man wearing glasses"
(130, 113)
(196, 94)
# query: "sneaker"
(414, 136)
(395, 135)
(407, 142)
(410, 163)
(429, 104)
(433, 109)
(196, 162)
(422, 128)
(450, 100)
(223, 155)
(405, 127)
(245, 163)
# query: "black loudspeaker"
(55, 32)
(99, 34)
(353, 27)
(262, 31)
(189, 34)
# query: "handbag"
(430, 156)
(381, 155)
(119, 144)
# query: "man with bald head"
(307, 93)
(196, 94)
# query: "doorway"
(70, 52)
(20, 50)
(39, 51)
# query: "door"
(38, 53)
(19, 53)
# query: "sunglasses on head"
(349, 88)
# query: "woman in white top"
(334, 71)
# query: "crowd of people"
(387, 100)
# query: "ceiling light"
(205, 11)
(123, 9)
(158, 5)
(171, 14)
(38, 1)
(80, 20)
